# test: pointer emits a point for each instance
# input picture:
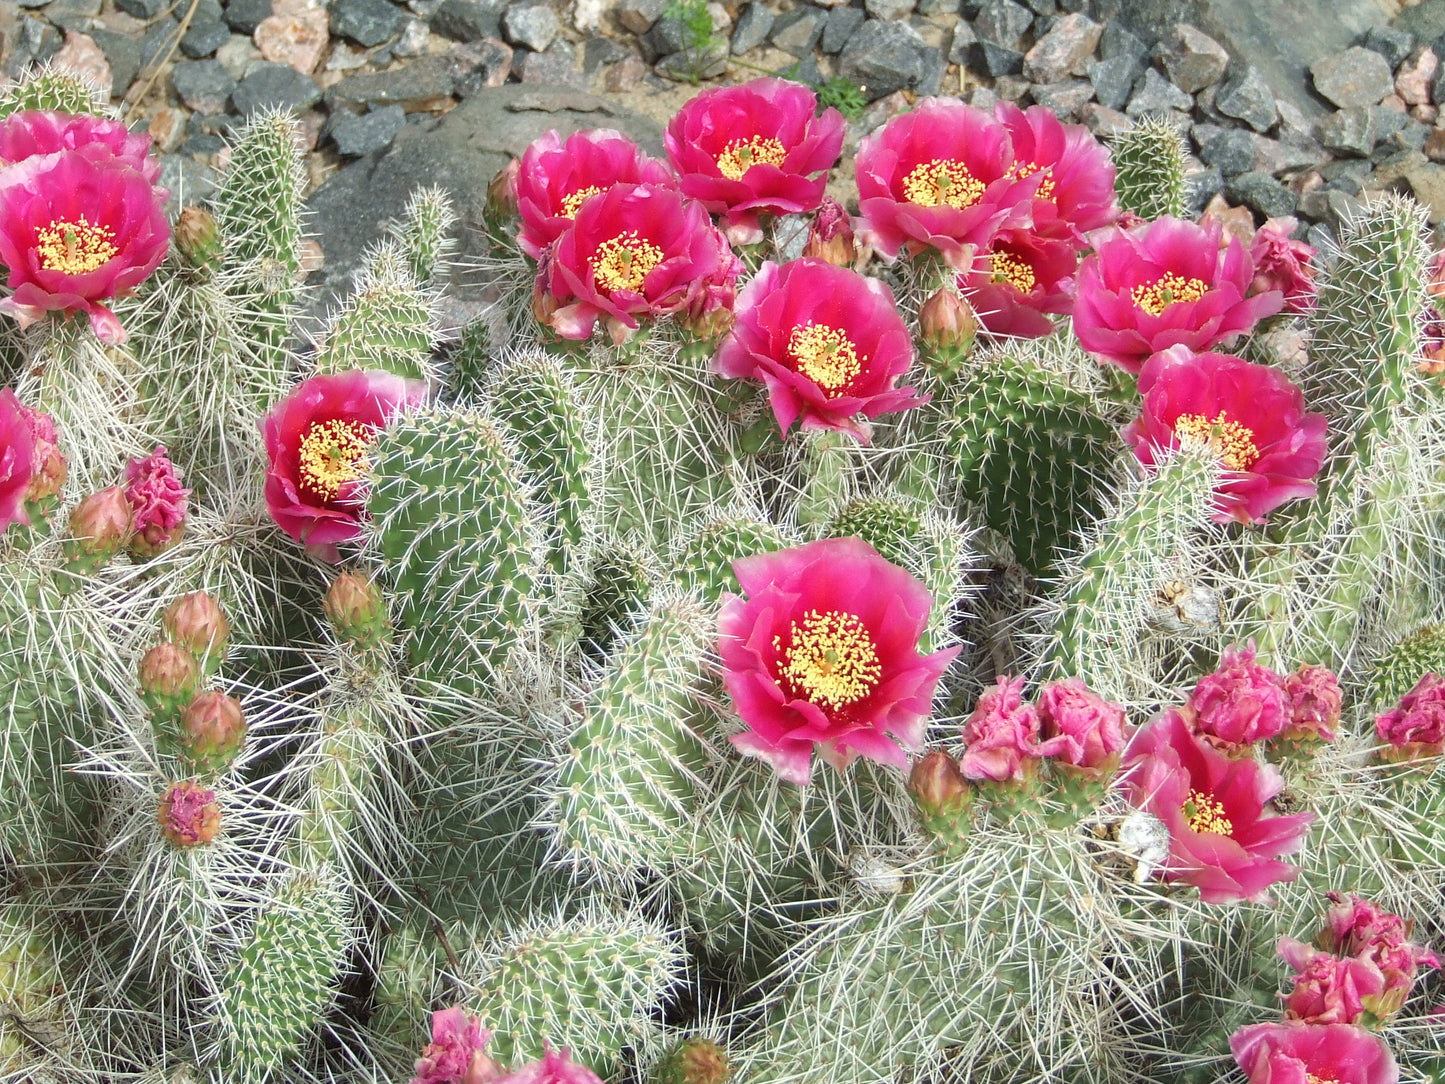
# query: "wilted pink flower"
(1017, 280)
(830, 237)
(317, 439)
(636, 250)
(1328, 989)
(1358, 928)
(553, 1068)
(824, 651)
(1239, 704)
(1253, 417)
(1415, 727)
(1221, 840)
(1299, 1053)
(157, 503)
(555, 176)
(828, 343)
(1314, 702)
(75, 231)
(189, 814)
(1164, 284)
(50, 465)
(1001, 734)
(943, 176)
(17, 459)
(31, 132)
(456, 1053)
(757, 148)
(1076, 193)
(1079, 727)
(1283, 264)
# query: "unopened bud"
(198, 239)
(710, 326)
(100, 526)
(831, 235)
(694, 1061)
(169, 678)
(948, 325)
(502, 192)
(158, 504)
(189, 815)
(938, 786)
(196, 623)
(213, 729)
(357, 611)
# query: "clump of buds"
(212, 731)
(189, 815)
(357, 611)
(196, 623)
(169, 678)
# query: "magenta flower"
(828, 343)
(189, 814)
(1355, 927)
(1253, 417)
(824, 651)
(1018, 279)
(17, 459)
(317, 439)
(1221, 840)
(1328, 989)
(636, 250)
(743, 151)
(943, 176)
(1001, 734)
(1314, 703)
(157, 503)
(32, 132)
(1079, 727)
(553, 1068)
(1076, 190)
(1239, 704)
(1415, 727)
(1283, 264)
(1165, 284)
(74, 231)
(555, 176)
(1298, 1053)
(456, 1053)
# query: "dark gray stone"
(1356, 76)
(597, 52)
(1041, 7)
(963, 41)
(754, 24)
(1411, 137)
(203, 39)
(1192, 59)
(204, 85)
(356, 135)
(1155, 94)
(34, 42)
(1228, 148)
(1346, 174)
(1394, 45)
(1279, 157)
(639, 15)
(664, 37)
(1105, 122)
(366, 22)
(122, 52)
(1012, 88)
(1116, 41)
(203, 145)
(1002, 22)
(1261, 192)
(478, 65)
(419, 86)
(187, 179)
(1349, 131)
(840, 25)
(141, 9)
(937, 7)
(1065, 98)
(1113, 79)
(156, 41)
(1388, 121)
(1246, 96)
(1323, 238)
(996, 60)
(243, 16)
(72, 14)
(468, 20)
(882, 57)
(532, 25)
(274, 85)
(1202, 186)
(690, 65)
(798, 31)
(804, 70)
(888, 9)
(931, 71)
(1067, 45)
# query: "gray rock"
(798, 31)
(663, 37)
(1349, 131)
(639, 15)
(936, 7)
(1228, 148)
(882, 57)
(357, 135)
(156, 41)
(707, 63)
(532, 25)
(756, 22)
(278, 85)
(1261, 192)
(1103, 121)
(1202, 186)
(1388, 121)
(187, 179)
(1116, 41)
(1394, 45)
(1278, 157)
(468, 20)
(1357, 76)
(597, 52)
(122, 52)
(1246, 96)
(963, 41)
(1041, 7)
(933, 67)
(1427, 182)
(203, 145)
(841, 24)
(75, 14)
(1065, 98)
(1012, 88)
(203, 39)
(1411, 137)
(422, 85)
(1002, 22)
(366, 22)
(1113, 79)
(141, 9)
(243, 16)
(888, 9)
(1346, 174)
(996, 60)
(1323, 238)
(1060, 52)
(478, 65)
(204, 85)
(1192, 58)
(34, 42)
(1155, 94)
(413, 40)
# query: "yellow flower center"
(1022, 170)
(623, 262)
(825, 355)
(741, 155)
(75, 248)
(1206, 814)
(1011, 269)
(1154, 297)
(574, 201)
(333, 453)
(830, 659)
(942, 182)
(1310, 1078)
(1231, 441)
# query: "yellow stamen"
(333, 453)
(1011, 269)
(1310, 1078)
(825, 355)
(623, 262)
(1206, 814)
(75, 248)
(1231, 441)
(1021, 170)
(574, 201)
(741, 155)
(830, 659)
(942, 182)
(1155, 297)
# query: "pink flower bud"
(695, 1061)
(948, 322)
(938, 786)
(1314, 703)
(1080, 727)
(1355, 927)
(1239, 704)
(49, 465)
(198, 239)
(196, 623)
(1283, 264)
(158, 504)
(100, 526)
(169, 677)
(1002, 734)
(357, 611)
(456, 1053)
(213, 729)
(1415, 728)
(830, 237)
(502, 191)
(189, 815)
(1328, 989)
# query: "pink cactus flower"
(824, 651)
(943, 176)
(1415, 727)
(1001, 734)
(1284, 264)
(1355, 927)
(50, 465)
(1315, 701)
(1221, 840)
(1328, 989)
(1165, 284)
(636, 250)
(76, 231)
(34, 132)
(830, 237)
(1080, 727)
(743, 151)
(1239, 704)
(1076, 194)
(17, 458)
(157, 503)
(828, 343)
(456, 1053)
(317, 439)
(189, 815)
(553, 1068)
(1019, 279)
(1252, 415)
(1299, 1053)
(555, 176)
